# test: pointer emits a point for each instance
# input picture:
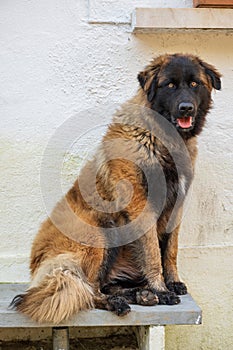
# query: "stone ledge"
(153, 19)
(187, 312)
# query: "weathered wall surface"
(60, 58)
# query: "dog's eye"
(193, 84)
(171, 86)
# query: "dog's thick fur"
(68, 275)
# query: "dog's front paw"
(118, 305)
(178, 288)
(168, 298)
(146, 297)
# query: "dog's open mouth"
(185, 122)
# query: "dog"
(113, 239)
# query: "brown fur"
(58, 282)
(69, 271)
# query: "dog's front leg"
(169, 248)
(152, 268)
(146, 250)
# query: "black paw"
(146, 297)
(118, 305)
(168, 298)
(177, 287)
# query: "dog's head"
(179, 88)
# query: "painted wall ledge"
(154, 19)
(185, 313)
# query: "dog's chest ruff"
(156, 155)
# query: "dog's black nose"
(186, 107)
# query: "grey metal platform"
(146, 319)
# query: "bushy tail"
(59, 290)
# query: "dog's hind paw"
(118, 305)
(168, 298)
(177, 287)
(146, 297)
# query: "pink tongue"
(185, 122)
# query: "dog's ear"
(213, 75)
(152, 89)
(142, 77)
(148, 83)
(148, 78)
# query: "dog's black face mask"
(179, 88)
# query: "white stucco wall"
(62, 57)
